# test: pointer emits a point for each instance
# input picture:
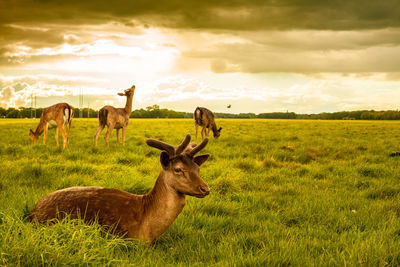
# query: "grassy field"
(283, 192)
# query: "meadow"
(283, 192)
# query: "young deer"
(205, 118)
(56, 115)
(144, 217)
(115, 117)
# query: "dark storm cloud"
(306, 36)
(323, 40)
(36, 37)
(12, 37)
(207, 14)
(250, 58)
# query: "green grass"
(283, 192)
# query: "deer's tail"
(198, 116)
(103, 113)
(68, 114)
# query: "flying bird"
(229, 106)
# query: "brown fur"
(57, 116)
(144, 217)
(103, 114)
(205, 118)
(115, 117)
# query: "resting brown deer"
(144, 217)
(57, 116)
(205, 118)
(115, 117)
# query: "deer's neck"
(161, 207)
(128, 105)
(214, 127)
(39, 128)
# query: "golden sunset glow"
(257, 57)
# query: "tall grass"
(283, 192)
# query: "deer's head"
(180, 167)
(128, 92)
(32, 136)
(217, 133)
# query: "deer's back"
(203, 116)
(118, 116)
(107, 205)
(52, 112)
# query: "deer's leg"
(45, 133)
(202, 132)
(123, 135)
(96, 135)
(68, 129)
(208, 132)
(197, 126)
(56, 136)
(117, 135)
(60, 127)
(109, 130)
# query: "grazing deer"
(205, 118)
(115, 117)
(56, 115)
(144, 217)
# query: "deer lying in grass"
(56, 115)
(205, 118)
(115, 117)
(144, 217)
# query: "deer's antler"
(183, 145)
(162, 146)
(198, 148)
(171, 150)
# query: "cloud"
(332, 92)
(183, 54)
(13, 96)
(16, 91)
(108, 31)
(22, 43)
(297, 51)
(193, 14)
(7, 94)
(181, 93)
(392, 76)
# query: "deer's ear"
(201, 159)
(164, 159)
(121, 94)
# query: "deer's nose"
(204, 189)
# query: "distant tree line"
(23, 112)
(354, 115)
(156, 112)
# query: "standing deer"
(56, 115)
(144, 217)
(115, 117)
(205, 118)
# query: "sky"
(303, 56)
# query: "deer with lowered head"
(115, 117)
(56, 116)
(144, 217)
(205, 118)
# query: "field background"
(283, 192)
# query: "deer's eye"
(178, 170)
